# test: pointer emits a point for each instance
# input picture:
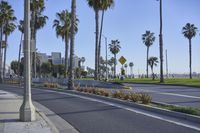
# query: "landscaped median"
(169, 81)
(130, 98)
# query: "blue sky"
(127, 21)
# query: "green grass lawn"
(177, 81)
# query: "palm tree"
(114, 49)
(148, 39)
(126, 66)
(189, 31)
(161, 45)
(38, 21)
(152, 61)
(131, 68)
(104, 6)
(21, 29)
(7, 26)
(96, 5)
(6, 14)
(62, 26)
(72, 39)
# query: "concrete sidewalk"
(9, 117)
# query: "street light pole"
(106, 46)
(27, 110)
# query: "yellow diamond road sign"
(122, 60)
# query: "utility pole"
(27, 110)
(166, 65)
(106, 46)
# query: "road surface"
(89, 116)
(179, 95)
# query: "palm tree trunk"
(96, 44)
(4, 61)
(115, 66)
(152, 73)
(99, 50)
(190, 57)
(71, 70)
(161, 45)
(1, 38)
(147, 68)
(66, 55)
(19, 55)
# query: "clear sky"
(127, 21)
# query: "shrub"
(135, 97)
(126, 96)
(118, 94)
(145, 98)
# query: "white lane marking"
(177, 122)
(180, 95)
(166, 93)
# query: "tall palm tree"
(152, 61)
(96, 5)
(148, 39)
(6, 14)
(106, 4)
(21, 29)
(9, 28)
(72, 40)
(38, 21)
(114, 49)
(189, 31)
(161, 44)
(62, 26)
(131, 68)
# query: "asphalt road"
(94, 117)
(179, 95)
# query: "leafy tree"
(46, 68)
(148, 39)
(189, 31)
(114, 49)
(152, 61)
(14, 66)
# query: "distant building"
(43, 57)
(56, 58)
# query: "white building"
(43, 57)
(56, 58)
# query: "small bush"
(135, 97)
(51, 85)
(118, 94)
(145, 98)
(126, 96)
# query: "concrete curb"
(52, 126)
(191, 118)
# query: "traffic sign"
(122, 60)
